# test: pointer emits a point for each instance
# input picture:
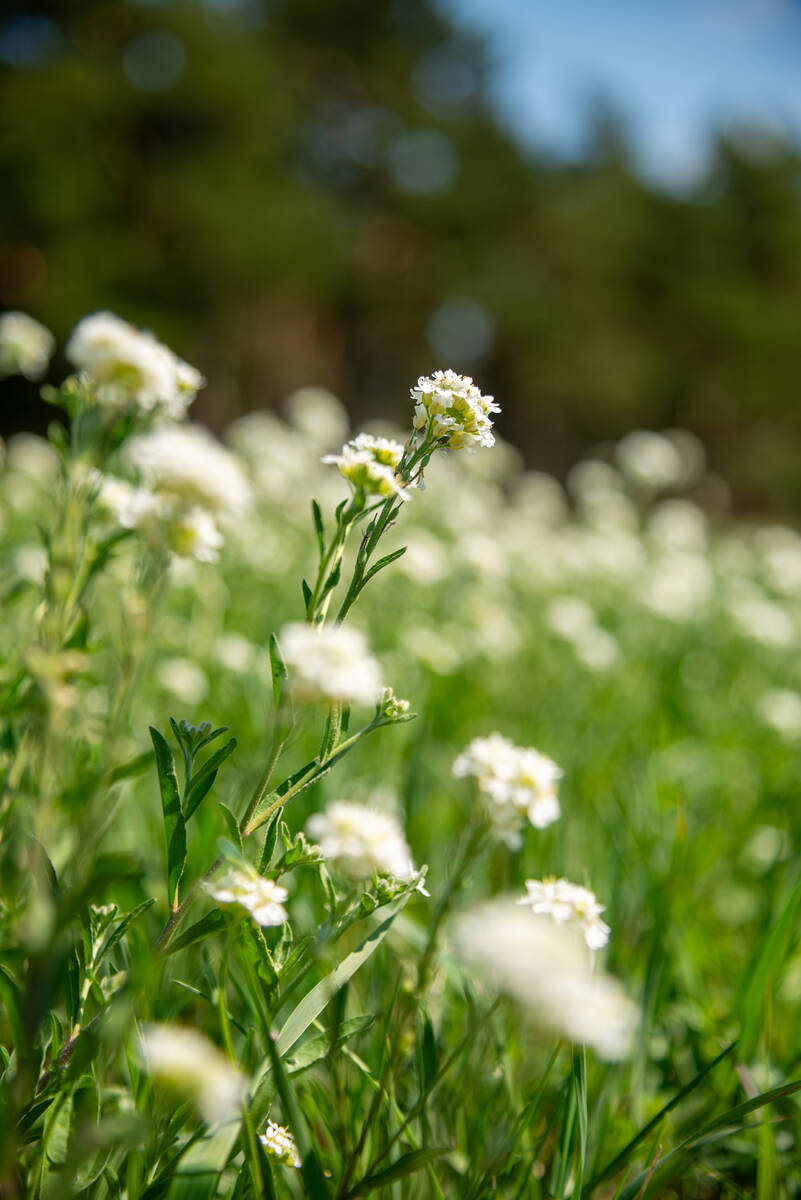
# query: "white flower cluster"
(242, 887)
(26, 346)
(280, 1144)
(568, 904)
(454, 409)
(362, 840)
(519, 781)
(550, 973)
(188, 480)
(194, 1067)
(330, 663)
(130, 366)
(369, 464)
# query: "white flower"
(25, 346)
(567, 903)
(133, 507)
(330, 662)
(318, 415)
(245, 888)
(194, 1067)
(186, 462)
(280, 1144)
(550, 972)
(194, 534)
(519, 781)
(184, 679)
(131, 365)
(781, 709)
(764, 620)
(454, 409)
(369, 463)
(650, 459)
(362, 840)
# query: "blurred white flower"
(568, 904)
(244, 888)
(330, 662)
(187, 463)
(26, 346)
(369, 463)
(550, 972)
(362, 840)
(194, 534)
(780, 549)
(781, 709)
(764, 620)
(132, 507)
(184, 679)
(680, 587)
(519, 781)
(652, 460)
(193, 1067)
(679, 525)
(237, 653)
(454, 409)
(318, 415)
(30, 562)
(131, 366)
(34, 456)
(280, 1144)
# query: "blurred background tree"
(318, 191)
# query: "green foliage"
(331, 998)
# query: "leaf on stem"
(174, 827)
(278, 669)
(319, 528)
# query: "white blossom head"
(518, 782)
(242, 887)
(187, 463)
(454, 410)
(26, 346)
(549, 972)
(369, 464)
(131, 366)
(193, 1067)
(568, 904)
(280, 1144)
(330, 663)
(363, 841)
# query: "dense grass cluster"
(206, 990)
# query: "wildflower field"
(382, 818)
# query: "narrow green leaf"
(134, 766)
(174, 827)
(622, 1158)
(760, 978)
(232, 824)
(319, 528)
(316, 1000)
(379, 566)
(199, 1169)
(307, 596)
(270, 838)
(211, 923)
(407, 1164)
(278, 669)
(203, 781)
(113, 936)
(310, 1169)
(332, 581)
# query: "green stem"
(473, 847)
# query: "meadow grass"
(163, 754)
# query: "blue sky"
(678, 69)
